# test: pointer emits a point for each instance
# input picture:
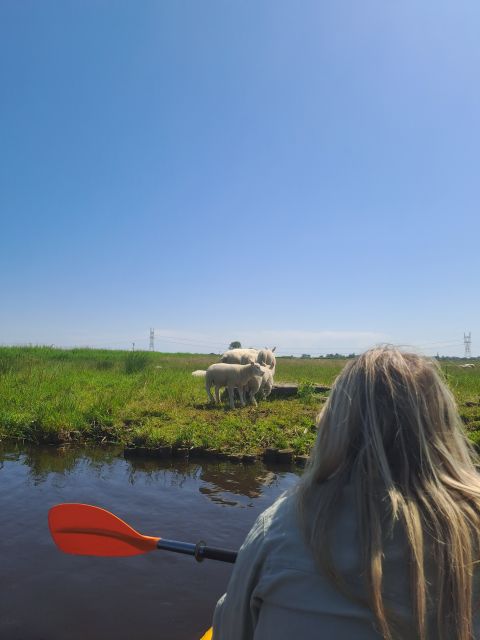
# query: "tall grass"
(151, 399)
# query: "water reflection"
(169, 472)
(42, 461)
(222, 482)
(68, 596)
(225, 483)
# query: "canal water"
(47, 595)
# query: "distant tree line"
(459, 358)
(329, 356)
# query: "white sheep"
(239, 356)
(266, 357)
(267, 383)
(244, 356)
(231, 376)
(263, 384)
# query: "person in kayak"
(380, 539)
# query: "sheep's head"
(257, 369)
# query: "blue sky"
(300, 174)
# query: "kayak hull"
(208, 635)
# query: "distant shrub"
(135, 361)
(60, 355)
(104, 365)
(5, 364)
(12, 360)
(306, 390)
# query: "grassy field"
(146, 399)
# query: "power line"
(284, 349)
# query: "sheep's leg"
(231, 391)
(209, 393)
(249, 395)
(240, 393)
(217, 394)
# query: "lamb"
(262, 383)
(267, 383)
(230, 376)
(466, 366)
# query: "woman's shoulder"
(284, 513)
(281, 513)
(282, 535)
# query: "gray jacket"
(276, 592)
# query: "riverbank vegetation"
(143, 399)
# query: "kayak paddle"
(85, 530)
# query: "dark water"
(47, 595)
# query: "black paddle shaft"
(200, 550)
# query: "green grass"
(151, 399)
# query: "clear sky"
(303, 174)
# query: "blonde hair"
(390, 427)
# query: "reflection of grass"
(53, 395)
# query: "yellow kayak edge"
(208, 635)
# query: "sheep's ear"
(273, 349)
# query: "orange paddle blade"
(85, 530)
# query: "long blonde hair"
(390, 427)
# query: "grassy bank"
(151, 399)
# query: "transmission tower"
(152, 338)
(467, 340)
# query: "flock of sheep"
(249, 371)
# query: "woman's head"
(390, 416)
(390, 429)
